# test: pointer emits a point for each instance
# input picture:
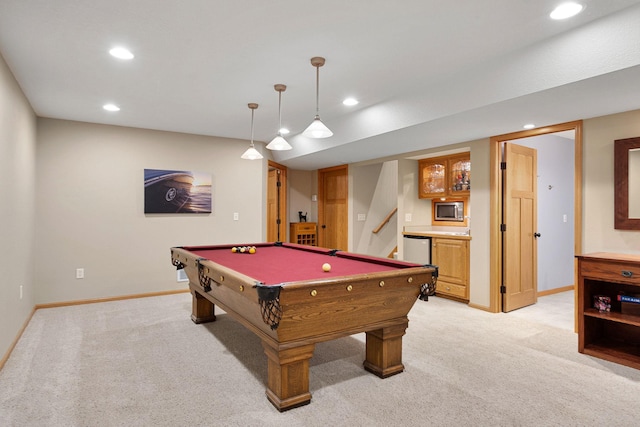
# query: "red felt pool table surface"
(280, 264)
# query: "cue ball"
(326, 267)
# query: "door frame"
(284, 193)
(495, 215)
(321, 203)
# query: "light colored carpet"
(142, 362)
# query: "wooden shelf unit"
(303, 233)
(614, 335)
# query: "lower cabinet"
(303, 233)
(452, 258)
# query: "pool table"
(283, 295)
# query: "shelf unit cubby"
(610, 335)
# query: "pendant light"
(251, 153)
(317, 129)
(279, 143)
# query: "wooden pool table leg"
(288, 375)
(202, 310)
(384, 350)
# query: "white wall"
(17, 208)
(380, 187)
(90, 210)
(363, 186)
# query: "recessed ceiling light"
(566, 10)
(350, 101)
(284, 131)
(121, 53)
(111, 107)
(529, 126)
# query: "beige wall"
(91, 213)
(598, 229)
(302, 186)
(479, 268)
(17, 208)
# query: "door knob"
(536, 235)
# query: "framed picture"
(171, 191)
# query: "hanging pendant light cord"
(279, 112)
(252, 111)
(317, 91)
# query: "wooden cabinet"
(451, 255)
(303, 233)
(611, 335)
(444, 176)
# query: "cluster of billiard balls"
(243, 249)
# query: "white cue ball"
(326, 267)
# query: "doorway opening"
(497, 261)
(276, 203)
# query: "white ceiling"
(427, 72)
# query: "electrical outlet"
(362, 217)
(79, 273)
(407, 217)
(236, 216)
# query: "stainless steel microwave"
(448, 211)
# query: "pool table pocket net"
(269, 299)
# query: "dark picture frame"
(622, 220)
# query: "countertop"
(462, 233)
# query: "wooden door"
(519, 246)
(276, 203)
(333, 191)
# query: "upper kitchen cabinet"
(446, 176)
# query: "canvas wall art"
(171, 191)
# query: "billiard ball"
(252, 250)
(326, 267)
(234, 249)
